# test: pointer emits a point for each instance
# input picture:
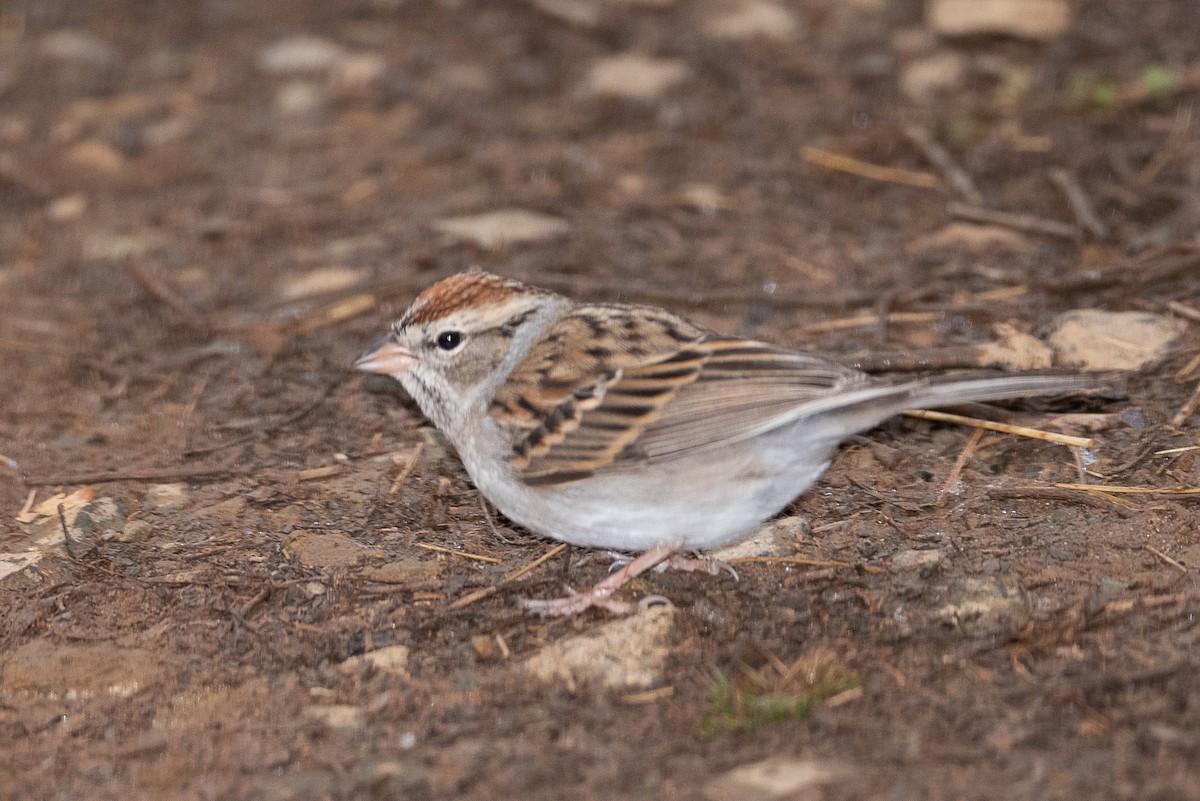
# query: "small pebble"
(299, 54)
(917, 558)
(337, 716)
(78, 47)
(300, 100)
(634, 76)
(67, 208)
(162, 498)
(984, 607)
(135, 531)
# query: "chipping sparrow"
(628, 427)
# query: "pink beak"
(386, 358)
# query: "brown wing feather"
(744, 389)
(663, 390)
(600, 436)
(572, 405)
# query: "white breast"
(708, 500)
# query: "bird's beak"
(386, 357)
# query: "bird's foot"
(601, 594)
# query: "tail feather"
(997, 388)
(866, 408)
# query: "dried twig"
(1187, 409)
(959, 463)
(865, 320)
(1173, 451)
(1132, 462)
(248, 607)
(955, 175)
(800, 560)
(649, 696)
(464, 554)
(168, 474)
(158, 289)
(25, 516)
(1176, 145)
(1096, 499)
(875, 172)
(1165, 269)
(333, 313)
(912, 361)
(316, 473)
(68, 540)
(1183, 310)
(1182, 568)
(511, 577)
(1018, 222)
(1080, 203)
(1127, 490)
(409, 463)
(491, 523)
(1188, 368)
(1003, 428)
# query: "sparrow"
(631, 428)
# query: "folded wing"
(666, 391)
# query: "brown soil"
(162, 199)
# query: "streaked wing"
(582, 438)
(679, 397)
(744, 389)
(573, 405)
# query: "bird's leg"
(696, 564)
(601, 594)
(684, 564)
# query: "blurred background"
(208, 209)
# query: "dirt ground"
(204, 219)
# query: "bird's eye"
(449, 340)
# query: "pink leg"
(713, 567)
(684, 564)
(601, 594)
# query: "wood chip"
(1018, 222)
